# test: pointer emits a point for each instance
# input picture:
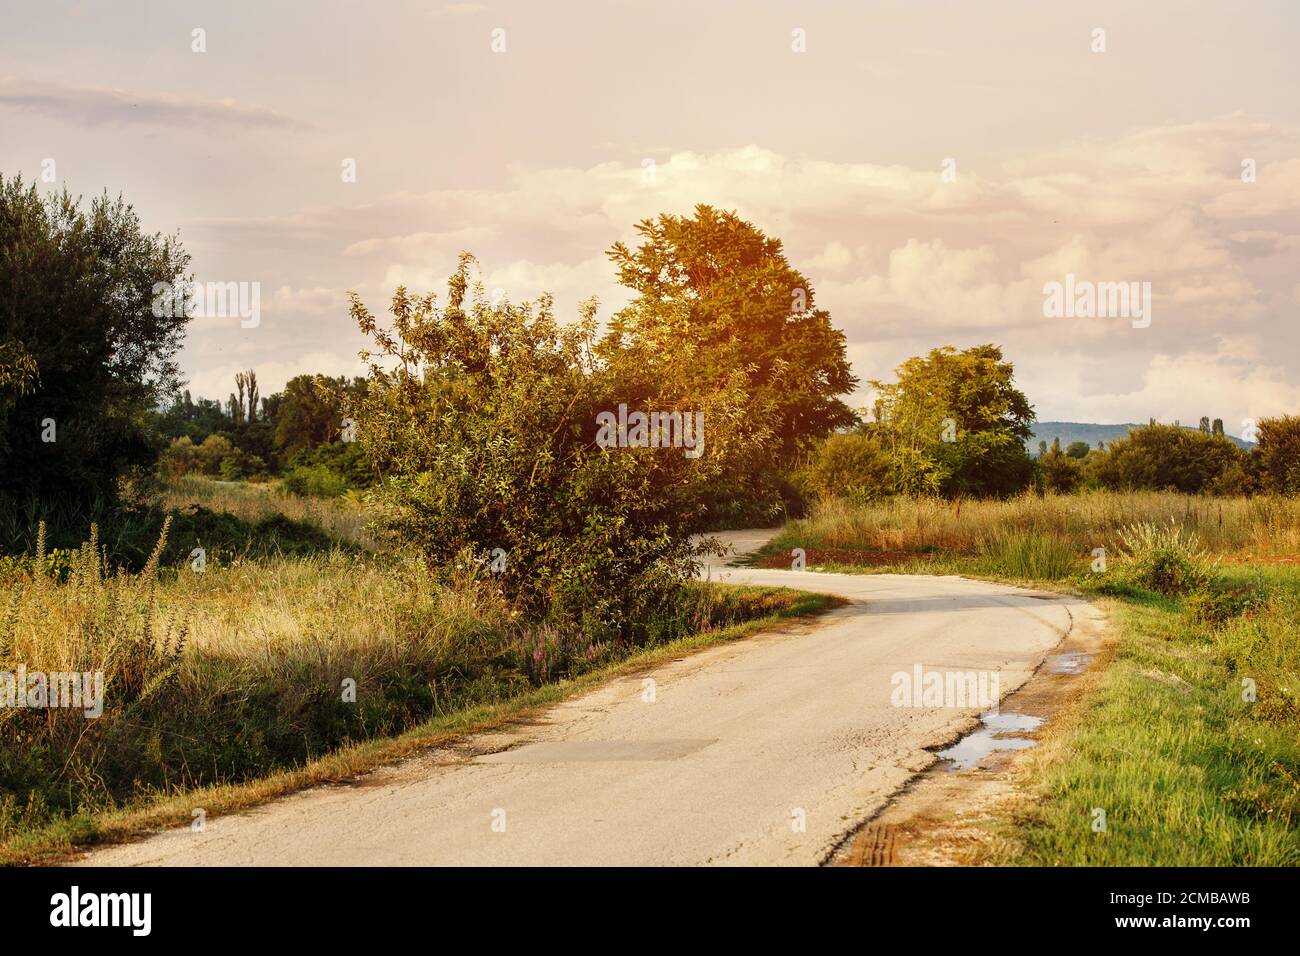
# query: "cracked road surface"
(769, 750)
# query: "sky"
(929, 166)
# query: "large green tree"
(76, 296)
(955, 424)
(310, 411)
(715, 296)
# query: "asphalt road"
(764, 751)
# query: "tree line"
(475, 427)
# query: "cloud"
(97, 106)
(904, 260)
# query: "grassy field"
(1188, 769)
(234, 682)
(1245, 529)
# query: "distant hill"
(1092, 433)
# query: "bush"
(1168, 457)
(852, 466)
(1164, 558)
(314, 481)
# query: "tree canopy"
(83, 355)
(955, 424)
(715, 295)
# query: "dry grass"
(1260, 527)
(342, 517)
(239, 674)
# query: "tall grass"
(341, 517)
(1025, 555)
(1228, 526)
(246, 668)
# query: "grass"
(1254, 528)
(1186, 771)
(51, 840)
(341, 519)
(232, 685)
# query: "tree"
(1277, 455)
(310, 413)
(77, 296)
(715, 293)
(955, 424)
(246, 406)
(1061, 471)
(1078, 449)
(483, 421)
(1171, 457)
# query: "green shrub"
(853, 466)
(1164, 558)
(486, 432)
(316, 481)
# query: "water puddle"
(1073, 663)
(997, 732)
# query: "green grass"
(1186, 771)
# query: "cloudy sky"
(1121, 165)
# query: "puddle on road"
(1072, 663)
(995, 733)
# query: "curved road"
(768, 750)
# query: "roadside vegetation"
(261, 665)
(1188, 738)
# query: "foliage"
(955, 424)
(714, 296)
(311, 410)
(1061, 473)
(1166, 558)
(314, 480)
(81, 347)
(481, 421)
(1278, 454)
(1161, 457)
(851, 465)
